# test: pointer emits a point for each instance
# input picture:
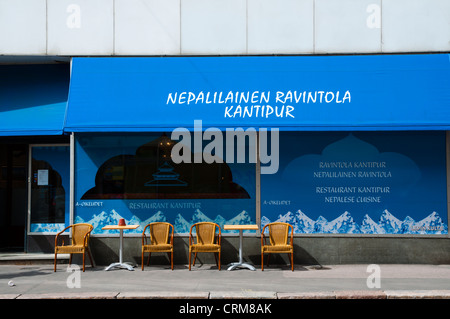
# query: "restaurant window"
(133, 176)
(372, 183)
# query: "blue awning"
(366, 92)
(33, 99)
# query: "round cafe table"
(120, 264)
(241, 228)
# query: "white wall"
(222, 27)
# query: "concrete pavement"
(38, 281)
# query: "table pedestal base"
(128, 266)
(240, 263)
(233, 266)
(121, 264)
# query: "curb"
(68, 295)
(307, 295)
(245, 294)
(418, 294)
(163, 295)
(345, 294)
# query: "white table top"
(240, 227)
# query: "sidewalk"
(38, 281)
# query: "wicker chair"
(278, 235)
(80, 242)
(206, 241)
(159, 241)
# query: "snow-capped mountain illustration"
(181, 225)
(264, 221)
(220, 220)
(243, 218)
(199, 216)
(320, 226)
(343, 224)
(431, 224)
(158, 217)
(101, 220)
(369, 226)
(47, 227)
(300, 222)
(387, 224)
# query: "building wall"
(222, 27)
(43, 28)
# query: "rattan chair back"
(205, 233)
(159, 233)
(278, 233)
(81, 233)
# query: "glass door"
(49, 188)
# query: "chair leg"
(215, 257)
(292, 261)
(268, 258)
(54, 268)
(84, 257)
(148, 259)
(142, 260)
(195, 257)
(219, 260)
(70, 259)
(171, 259)
(262, 261)
(190, 254)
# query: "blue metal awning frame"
(137, 94)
